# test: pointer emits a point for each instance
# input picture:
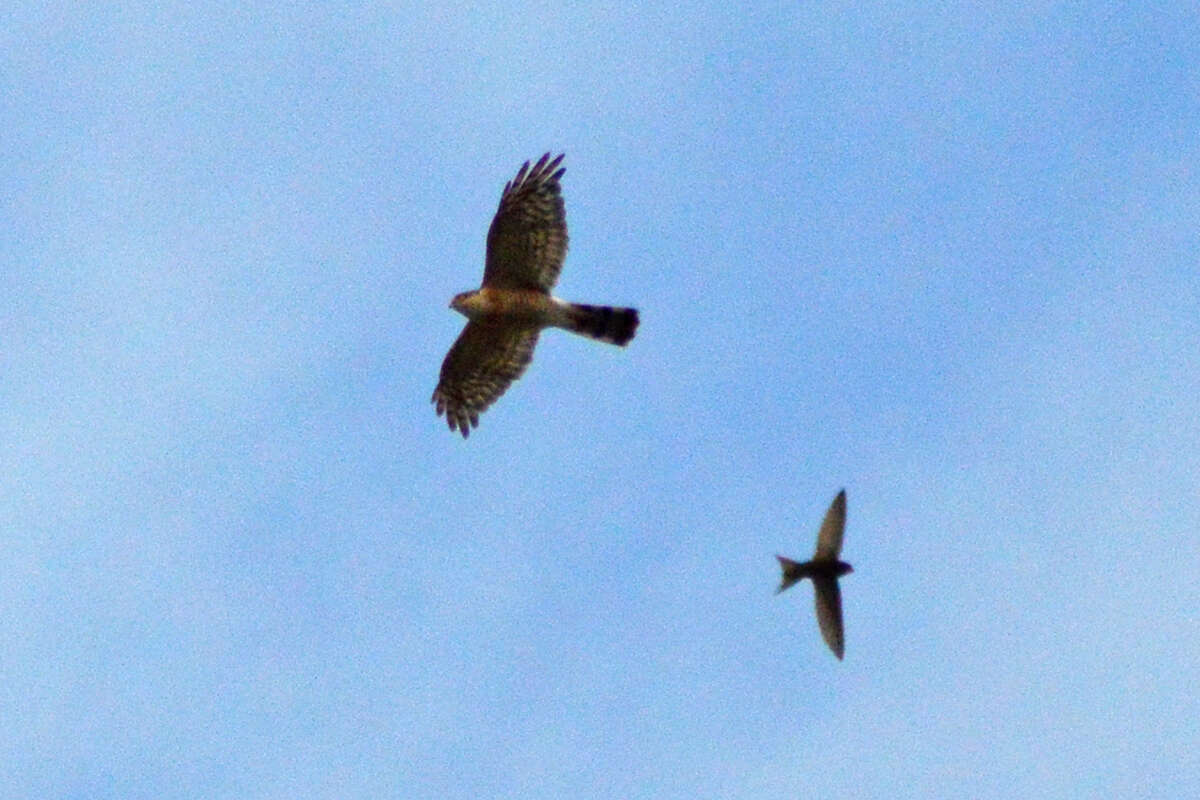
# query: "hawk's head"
(469, 304)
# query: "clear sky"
(944, 255)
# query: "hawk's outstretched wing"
(527, 242)
(485, 359)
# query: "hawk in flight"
(825, 568)
(526, 245)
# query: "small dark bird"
(824, 569)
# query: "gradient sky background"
(942, 255)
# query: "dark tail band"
(606, 323)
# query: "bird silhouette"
(824, 569)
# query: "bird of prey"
(825, 568)
(526, 246)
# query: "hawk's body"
(526, 246)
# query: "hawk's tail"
(606, 323)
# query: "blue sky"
(943, 256)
